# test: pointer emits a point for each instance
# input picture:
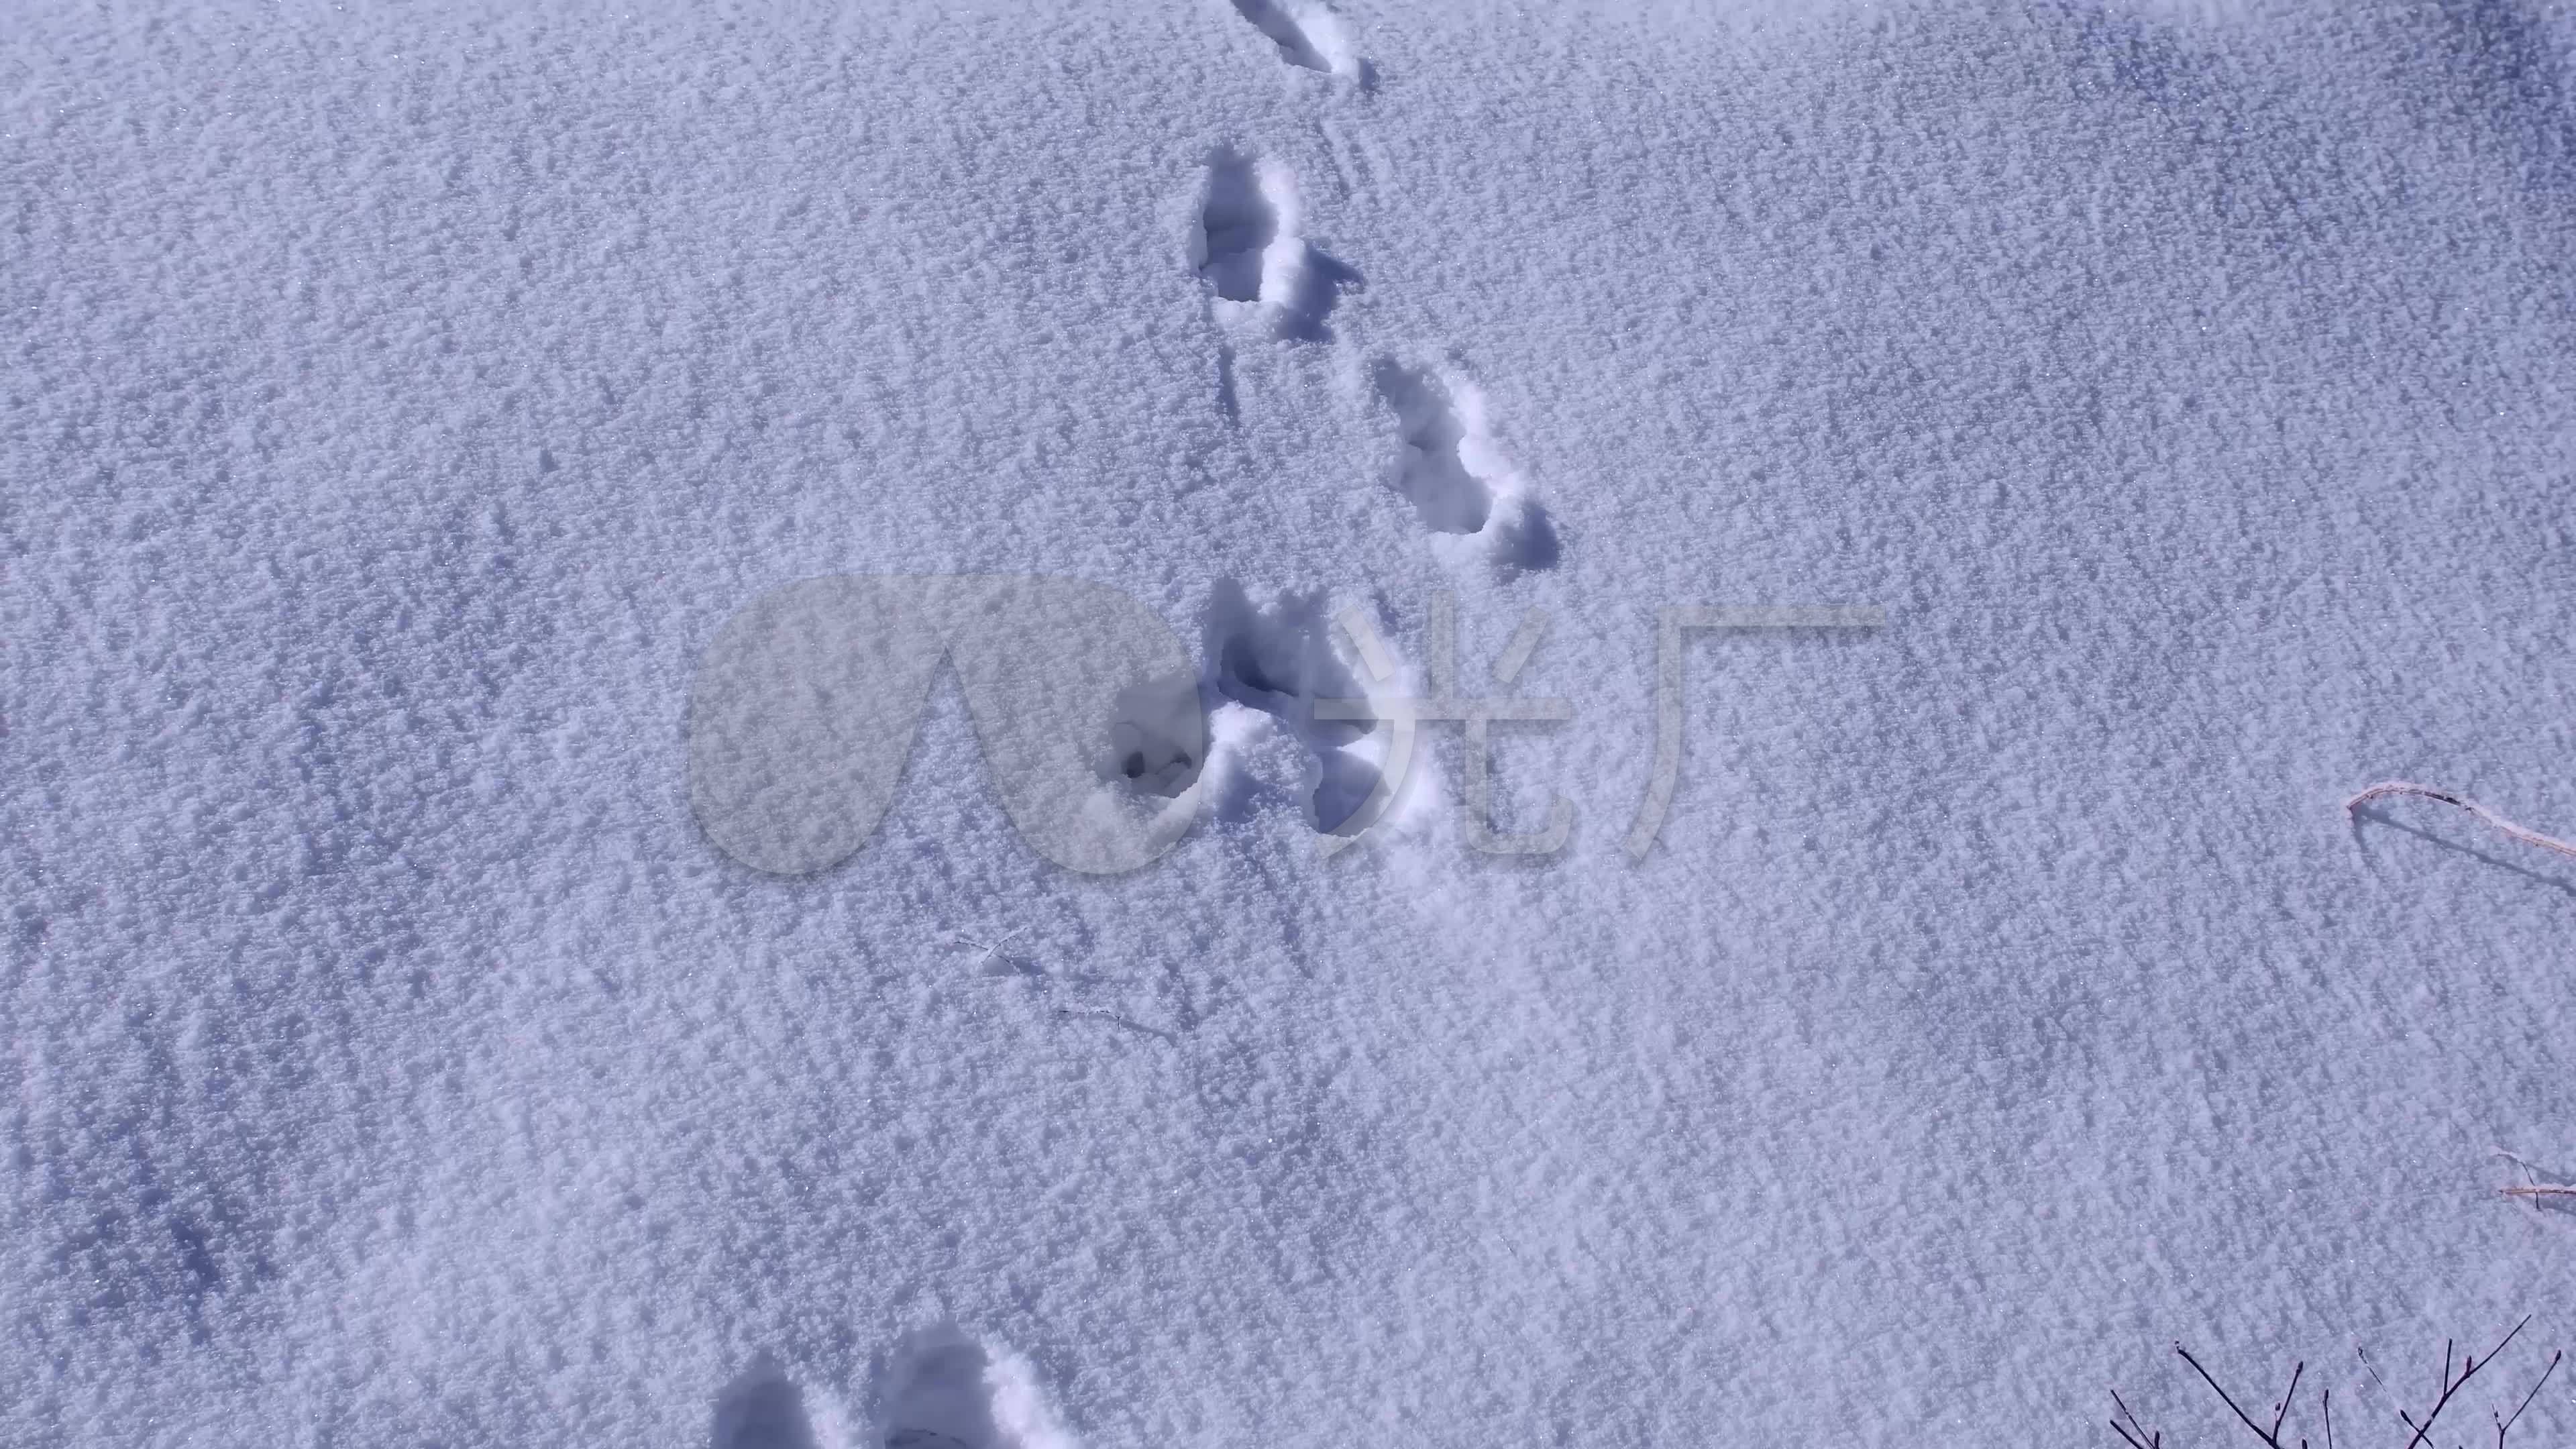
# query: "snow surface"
(399, 399)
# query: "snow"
(399, 402)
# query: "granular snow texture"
(395, 401)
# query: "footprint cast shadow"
(1311, 289)
(761, 1409)
(941, 1389)
(1302, 42)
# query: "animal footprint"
(1157, 736)
(1238, 220)
(1247, 249)
(762, 1410)
(1280, 662)
(1454, 473)
(944, 1390)
(1309, 35)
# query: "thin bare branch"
(2142, 1439)
(2458, 1368)
(2506, 1422)
(2523, 833)
(2228, 1397)
(2468, 1370)
(2364, 1355)
(2281, 1410)
(2531, 1185)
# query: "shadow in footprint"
(1244, 250)
(1314, 290)
(936, 1393)
(1272, 19)
(1237, 222)
(762, 1410)
(1525, 539)
(1432, 473)
(1280, 661)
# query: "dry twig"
(2531, 1186)
(2504, 1422)
(2137, 1436)
(2523, 833)
(2469, 1366)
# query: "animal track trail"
(1453, 471)
(1247, 249)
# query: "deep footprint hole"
(1157, 738)
(935, 1393)
(762, 1410)
(1273, 20)
(1237, 224)
(1432, 474)
(1280, 661)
